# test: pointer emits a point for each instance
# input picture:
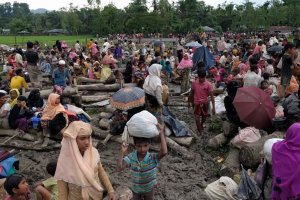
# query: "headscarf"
(153, 80)
(52, 109)
(76, 169)
(285, 159)
(35, 99)
(13, 102)
(185, 63)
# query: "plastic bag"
(261, 174)
(142, 124)
(246, 136)
(248, 188)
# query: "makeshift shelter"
(57, 31)
(202, 54)
(208, 29)
(24, 32)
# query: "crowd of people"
(152, 66)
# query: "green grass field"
(43, 39)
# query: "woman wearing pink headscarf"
(184, 68)
(285, 161)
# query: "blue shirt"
(142, 173)
(60, 77)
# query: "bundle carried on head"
(142, 125)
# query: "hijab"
(285, 159)
(186, 62)
(13, 102)
(35, 100)
(153, 79)
(52, 109)
(76, 169)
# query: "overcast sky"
(56, 4)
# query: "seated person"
(48, 188)
(61, 77)
(35, 101)
(264, 85)
(18, 81)
(14, 94)
(17, 187)
(4, 110)
(19, 115)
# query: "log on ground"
(230, 129)
(94, 98)
(179, 149)
(105, 115)
(104, 124)
(82, 80)
(231, 165)
(217, 141)
(250, 153)
(184, 141)
(11, 132)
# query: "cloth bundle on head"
(76, 169)
(142, 124)
(246, 136)
(153, 79)
(268, 148)
(224, 188)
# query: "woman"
(35, 101)
(285, 158)
(54, 113)
(19, 115)
(153, 89)
(184, 68)
(14, 94)
(79, 172)
(4, 110)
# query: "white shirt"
(4, 107)
(252, 79)
(77, 47)
(223, 60)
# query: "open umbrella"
(275, 49)
(254, 107)
(193, 44)
(127, 98)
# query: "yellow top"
(18, 82)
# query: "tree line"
(163, 17)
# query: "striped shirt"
(142, 173)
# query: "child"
(264, 85)
(48, 188)
(201, 89)
(17, 187)
(143, 165)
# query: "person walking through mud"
(142, 165)
(201, 90)
(79, 172)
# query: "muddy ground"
(178, 178)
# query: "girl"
(184, 67)
(79, 172)
(17, 187)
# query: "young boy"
(18, 82)
(201, 90)
(142, 165)
(47, 190)
(17, 187)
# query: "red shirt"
(201, 91)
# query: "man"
(106, 45)
(77, 47)
(33, 70)
(252, 78)
(61, 77)
(224, 58)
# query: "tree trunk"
(82, 80)
(105, 115)
(231, 165)
(104, 124)
(230, 130)
(11, 132)
(179, 149)
(185, 141)
(103, 87)
(250, 154)
(45, 93)
(217, 141)
(94, 98)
